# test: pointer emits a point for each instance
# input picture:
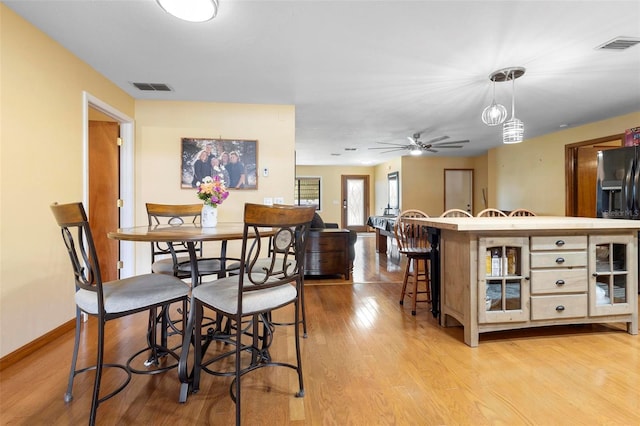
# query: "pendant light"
(191, 10)
(513, 129)
(494, 114)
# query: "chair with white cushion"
(249, 299)
(111, 300)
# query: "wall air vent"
(619, 43)
(153, 87)
(351, 149)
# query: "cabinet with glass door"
(503, 279)
(612, 275)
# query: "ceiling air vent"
(152, 87)
(619, 43)
(351, 149)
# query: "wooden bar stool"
(413, 242)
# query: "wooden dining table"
(189, 233)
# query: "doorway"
(458, 189)
(355, 202)
(581, 173)
(126, 212)
(104, 190)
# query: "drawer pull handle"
(560, 260)
(560, 243)
(560, 282)
(559, 308)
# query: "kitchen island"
(502, 273)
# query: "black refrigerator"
(618, 185)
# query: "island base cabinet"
(512, 280)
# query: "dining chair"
(249, 299)
(521, 212)
(456, 213)
(413, 243)
(110, 300)
(173, 258)
(491, 213)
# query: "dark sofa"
(330, 250)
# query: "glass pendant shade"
(494, 114)
(416, 151)
(513, 131)
(191, 10)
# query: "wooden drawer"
(326, 263)
(559, 281)
(574, 242)
(327, 243)
(558, 259)
(558, 307)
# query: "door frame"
(127, 253)
(365, 201)
(571, 172)
(444, 202)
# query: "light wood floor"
(367, 361)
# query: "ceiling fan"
(417, 147)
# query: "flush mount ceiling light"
(494, 114)
(190, 10)
(513, 129)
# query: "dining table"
(190, 234)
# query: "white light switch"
(268, 201)
(278, 200)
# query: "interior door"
(581, 174)
(458, 189)
(355, 202)
(104, 184)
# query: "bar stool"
(413, 242)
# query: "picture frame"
(194, 167)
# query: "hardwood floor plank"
(367, 360)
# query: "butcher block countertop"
(526, 223)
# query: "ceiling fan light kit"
(495, 114)
(190, 10)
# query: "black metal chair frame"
(263, 287)
(88, 280)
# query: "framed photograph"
(234, 160)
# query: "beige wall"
(41, 139)
(160, 125)
(331, 187)
(381, 184)
(531, 175)
(423, 181)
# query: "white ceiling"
(362, 72)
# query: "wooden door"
(581, 174)
(458, 189)
(355, 202)
(104, 191)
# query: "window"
(307, 191)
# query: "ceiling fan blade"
(438, 139)
(451, 142)
(412, 140)
(391, 143)
(399, 147)
(448, 146)
(431, 150)
(392, 150)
